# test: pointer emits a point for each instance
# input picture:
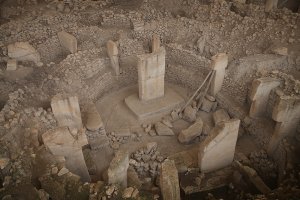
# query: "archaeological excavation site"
(150, 99)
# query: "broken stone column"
(117, 171)
(218, 64)
(61, 142)
(259, 95)
(217, 150)
(193, 131)
(23, 51)
(286, 113)
(151, 75)
(270, 5)
(113, 53)
(68, 41)
(169, 183)
(155, 43)
(66, 111)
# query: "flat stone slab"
(156, 107)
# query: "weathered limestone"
(155, 43)
(193, 131)
(61, 142)
(217, 150)
(68, 41)
(11, 65)
(218, 64)
(270, 5)
(66, 111)
(220, 115)
(208, 103)
(162, 129)
(23, 51)
(94, 121)
(169, 183)
(113, 53)
(189, 113)
(286, 113)
(259, 95)
(151, 75)
(117, 171)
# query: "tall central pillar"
(151, 75)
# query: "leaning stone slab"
(23, 51)
(189, 134)
(66, 111)
(117, 171)
(67, 41)
(169, 183)
(217, 150)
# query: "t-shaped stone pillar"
(259, 95)
(286, 113)
(218, 63)
(151, 75)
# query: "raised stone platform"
(156, 107)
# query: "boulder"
(189, 114)
(11, 65)
(94, 121)
(220, 115)
(68, 41)
(193, 131)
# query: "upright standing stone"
(259, 95)
(270, 5)
(151, 75)
(68, 41)
(117, 171)
(62, 143)
(218, 64)
(169, 183)
(286, 113)
(66, 110)
(155, 43)
(217, 150)
(112, 50)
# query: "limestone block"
(283, 51)
(67, 41)
(151, 73)
(112, 48)
(155, 43)
(23, 51)
(66, 111)
(219, 63)
(117, 171)
(169, 183)
(152, 88)
(207, 104)
(162, 129)
(94, 121)
(61, 142)
(11, 65)
(217, 150)
(259, 95)
(189, 114)
(193, 131)
(220, 115)
(286, 113)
